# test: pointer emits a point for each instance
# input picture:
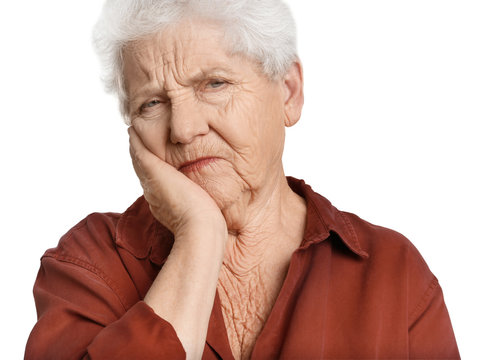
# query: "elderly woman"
(223, 256)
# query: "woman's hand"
(175, 201)
(184, 290)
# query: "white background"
(396, 128)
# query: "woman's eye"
(151, 104)
(216, 84)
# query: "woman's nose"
(186, 122)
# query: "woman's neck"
(270, 226)
(256, 261)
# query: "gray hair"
(261, 29)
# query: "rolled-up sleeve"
(81, 317)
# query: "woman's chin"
(221, 183)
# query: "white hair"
(261, 29)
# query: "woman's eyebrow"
(143, 92)
(207, 73)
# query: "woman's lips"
(196, 164)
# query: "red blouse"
(353, 290)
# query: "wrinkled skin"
(191, 99)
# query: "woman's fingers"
(143, 160)
(171, 195)
(150, 167)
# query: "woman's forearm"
(183, 292)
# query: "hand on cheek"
(174, 200)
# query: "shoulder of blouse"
(88, 242)
(395, 254)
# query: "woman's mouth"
(196, 164)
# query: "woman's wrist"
(204, 236)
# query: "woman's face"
(189, 99)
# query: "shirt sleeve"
(80, 317)
(431, 335)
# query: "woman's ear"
(293, 83)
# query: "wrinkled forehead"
(185, 37)
(182, 50)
